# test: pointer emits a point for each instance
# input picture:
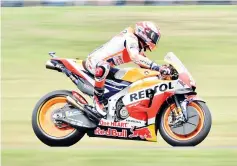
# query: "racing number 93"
(148, 92)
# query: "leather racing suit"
(123, 48)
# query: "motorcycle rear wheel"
(196, 135)
(43, 125)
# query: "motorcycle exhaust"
(50, 65)
(74, 103)
(74, 117)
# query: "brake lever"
(173, 72)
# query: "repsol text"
(148, 92)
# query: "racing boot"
(97, 112)
(102, 70)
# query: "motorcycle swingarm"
(74, 117)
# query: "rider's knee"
(102, 70)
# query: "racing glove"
(165, 70)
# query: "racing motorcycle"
(140, 104)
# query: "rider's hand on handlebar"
(156, 68)
(165, 70)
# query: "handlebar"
(174, 73)
(172, 76)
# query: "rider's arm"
(139, 58)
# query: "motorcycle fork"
(177, 111)
(180, 109)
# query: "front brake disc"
(190, 125)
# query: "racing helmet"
(148, 32)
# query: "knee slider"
(102, 70)
(99, 72)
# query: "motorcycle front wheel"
(190, 133)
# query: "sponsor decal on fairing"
(143, 133)
(113, 124)
(127, 123)
(111, 132)
(148, 92)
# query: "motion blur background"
(204, 37)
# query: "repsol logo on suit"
(148, 92)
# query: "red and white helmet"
(148, 32)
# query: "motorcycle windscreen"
(172, 59)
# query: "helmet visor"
(153, 36)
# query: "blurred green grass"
(118, 157)
(203, 37)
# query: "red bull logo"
(143, 133)
(111, 132)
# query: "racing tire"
(193, 138)
(44, 127)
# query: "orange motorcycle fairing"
(135, 74)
